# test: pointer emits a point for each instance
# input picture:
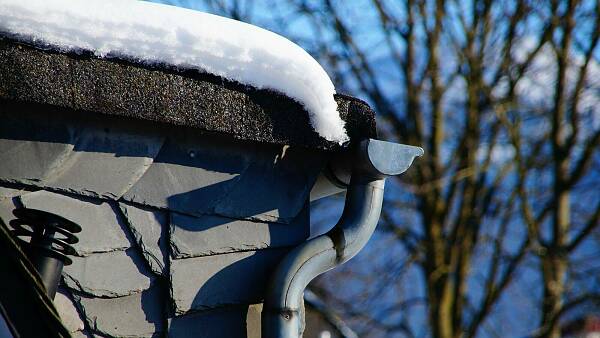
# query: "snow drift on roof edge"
(184, 38)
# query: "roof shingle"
(160, 93)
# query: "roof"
(160, 93)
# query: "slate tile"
(190, 174)
(31, 162)
(201, 175)
(67, 310)
(101, 229)
(87, 334)
(106, 161)
(149, 227)
(242, 321)
(6, 192)
(81, 334)
(108, 274)
(137, 315)
(274, 187)
(88, 155)
(219, 280)
(6, 210)
(32, 147)
(208, 235)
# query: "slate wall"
(180, 230)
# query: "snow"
(150, 33)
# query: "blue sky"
(515, 315)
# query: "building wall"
(180, 230)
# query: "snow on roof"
(155, 33)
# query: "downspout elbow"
(374, 161)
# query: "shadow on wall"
(213, 176)
(271, 187)
(230, 322)
(184, 171)
(265, 189)
(192, 174)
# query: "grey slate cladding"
(186, 224)
(239, 321)
(6, 192)
(137, 315)
(25, 154)
(178, 170)
(109, 274)
(221, 280)
(209, 235)
(155, 92)
(65, 149)
(63, 301)
(101, 151)
(125, 250)
(83, 334)
(198, 176)
(102, 230)
(6, 207)
(149, 228)
(189, 188)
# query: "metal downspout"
(373, 161)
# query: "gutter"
(372, 161)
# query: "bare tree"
(501, 218)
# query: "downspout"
(373, 161)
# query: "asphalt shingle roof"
(113, 86)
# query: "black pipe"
(51, 238)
